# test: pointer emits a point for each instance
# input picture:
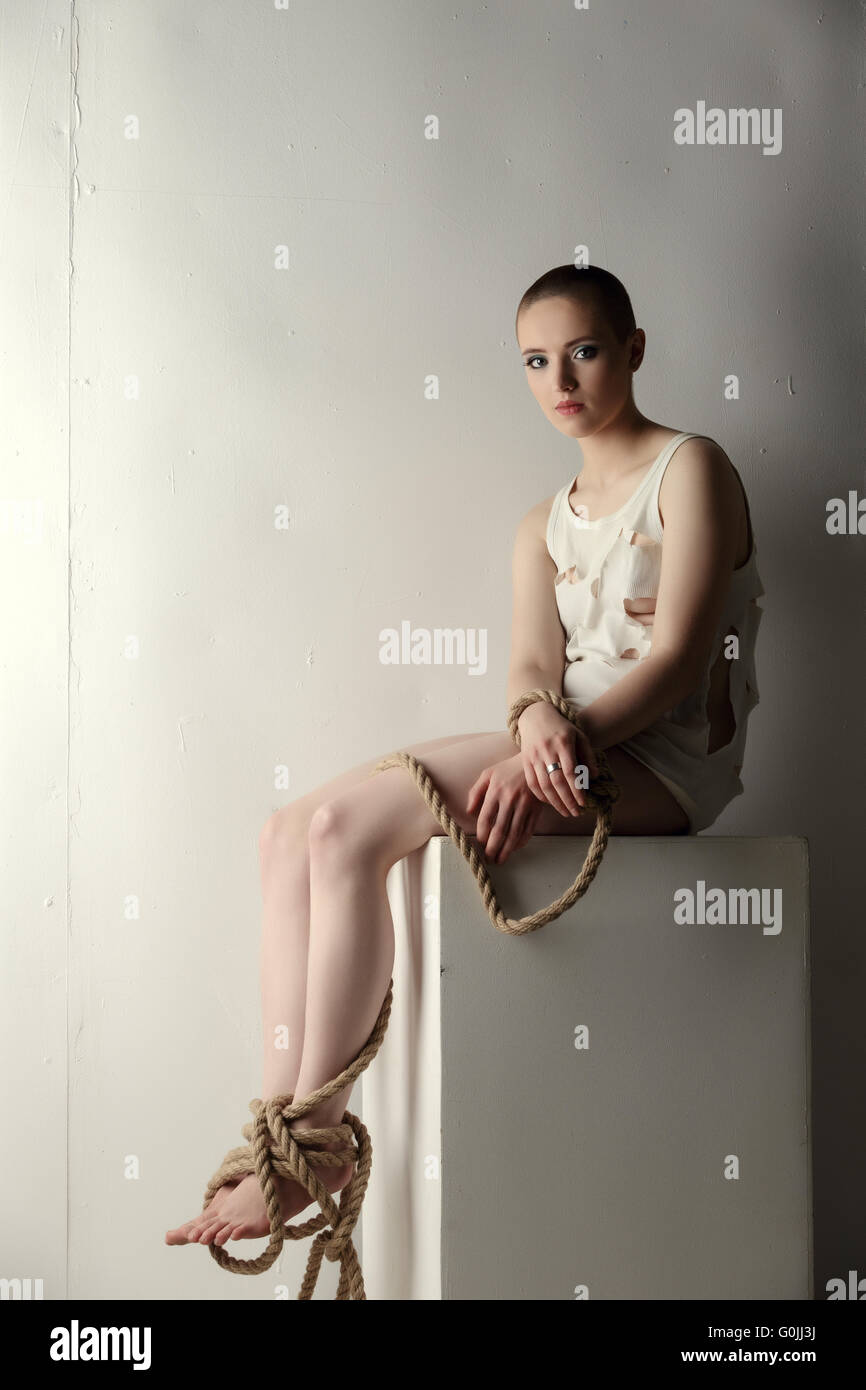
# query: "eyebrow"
(588, 339)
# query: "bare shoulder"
(534, 523)
(700, 463)
(700, 474)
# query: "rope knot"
(273, 1149)
(337, 1241)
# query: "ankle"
(315, 1119)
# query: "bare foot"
(238, 1211)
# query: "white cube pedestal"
(615, 1106)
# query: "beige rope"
(274, 1149)
(600, 798)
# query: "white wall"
(165, 388)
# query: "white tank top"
(601, 566)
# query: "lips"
(569, 407)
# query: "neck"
(610, 453)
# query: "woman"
(653, 643)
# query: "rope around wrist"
(600, 797)
(275, 1150)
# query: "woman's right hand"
(546, 736)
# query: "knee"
(335, 833)
(283, 833)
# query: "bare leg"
(285, 874)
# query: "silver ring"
(553, 767)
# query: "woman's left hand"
(509, 811)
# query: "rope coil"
(600, 798)
(275, 1150)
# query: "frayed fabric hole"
(570, 576)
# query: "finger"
(530, 825)
(581, 759)
(525, 836)
(538, 782)
(570, 765)
(479, 785)
(498, 833)
(550, 788)
(486, 820)
(521, 844)
(563, 780)
(533, 783)
(515, 834)
(579, 771)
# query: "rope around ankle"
(275, 1150)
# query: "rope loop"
(276, 1150)
(600, 797)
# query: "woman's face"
(570, 354)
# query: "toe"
(205, 1219)
(184, 1234)
(215, 1224)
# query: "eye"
(584, 347)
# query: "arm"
(538, 644)
(702, 509)
(509, 796)
(537, 635)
